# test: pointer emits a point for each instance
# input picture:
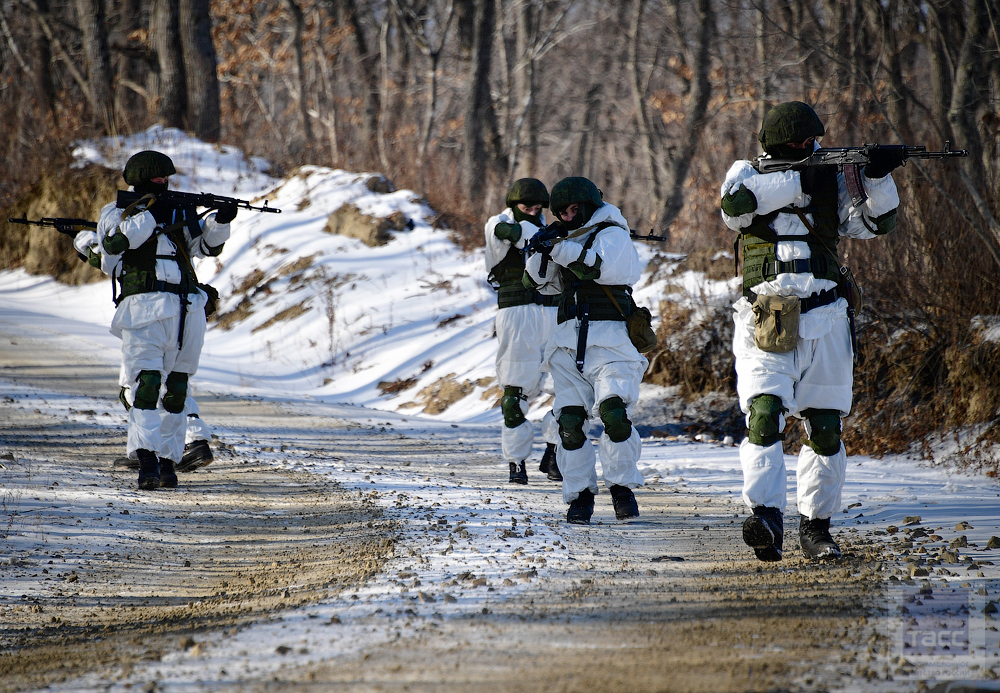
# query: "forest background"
(651, 99)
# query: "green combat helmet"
(792, 121)
(144, 166)
(580, 191)
(529, 192)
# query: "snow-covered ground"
(416, 308)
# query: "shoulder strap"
(613, 301)
(812, 231)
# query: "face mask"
(521, 216)
(783, 151)
(147, 186)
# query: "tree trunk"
(131, 102)
(526, 121)
(481, 137)
(200, 69)
(648, 140)
(943, 27)
(966, 108)
(169, 85)
(42, 59)
(93, 25)
(694, 117)
(298, 22)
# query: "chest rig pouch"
(505, 278)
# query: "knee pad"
(510, 405)
(147, 390)
(177, 385)
(764, 422)
(615, 418)
(123, 396)
(823, 427)
(571, 427)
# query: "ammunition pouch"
(776, 323)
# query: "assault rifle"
(852, 161)
(544, 239)
(70, 227)
(175, 198)
(548, 236)
(648, 237)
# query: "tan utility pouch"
(776, 326)
(640, 329)
(639, 324)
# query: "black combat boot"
(815, 539)
(149, 470)
(197, 454)
(581, 509)
(518, 474)
(168, 477)
(624, 501)
(130, 462)
(549, 462)
(548, 458)
(763, 532)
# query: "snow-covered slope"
(317, 314)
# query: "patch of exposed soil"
(236, 542)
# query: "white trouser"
(523, 333)
(196, 429)
(818, 374)
(604, 376)
(153, 347)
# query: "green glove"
(508, 231)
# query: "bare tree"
(200, 69)
(298, 24)
(93, 24)
(421, 35)
(482, 139)
(168, 82)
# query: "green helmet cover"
(792, 121)
(575, 189)
(528, 191)
(147, 165)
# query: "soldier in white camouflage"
(789, 224)
(524, 324)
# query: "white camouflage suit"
(818, 373)
(86, 242)
(149, 324)
(612, 365)
(523, 333)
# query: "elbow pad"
(115, 243)
(740, 202)
(884, 224)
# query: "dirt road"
(277, 568)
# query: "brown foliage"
(59, 192)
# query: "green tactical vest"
(579, 291)
(138, 273)
(506, 279)
(758, 242)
